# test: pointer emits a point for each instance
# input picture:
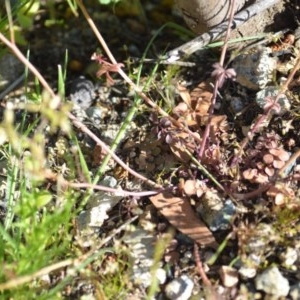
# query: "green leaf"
(106, 2)
(42, 198)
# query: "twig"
(255, 193)
(115, 191)
(217, 32)
(27, 63)
(292, 159)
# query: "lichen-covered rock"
(270, 93)
(82, 92)
(255, 70)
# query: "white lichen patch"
(255, 70)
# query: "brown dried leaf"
(218, 125)
(183, 141)
(184, 94)
(180, 214)
(177, 149)
(212, 155)
(201, 98)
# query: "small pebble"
(229, 276)
(289, 256)
(295, 291)
(180, 288)
(272, 282)
(82, 92)
(94, 114)
(247, 272)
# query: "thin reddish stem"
(75, 121)
(265, 115)
(128, 80)
(217, 84)
(201, 272)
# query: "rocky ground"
(219, 221)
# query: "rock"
(95, 115)
(272, 282)
(82, 92)
(255, 70)
(260, 243)
(109, 132)
(271, 92)
(100, 203)
(295, 291)
(229, 276)
(257, 18)
(216, 212)
(180, 288)
(289, 256)
(141, 244)
(247, 272)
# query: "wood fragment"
(220, 30)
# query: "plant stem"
(217, 83)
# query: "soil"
(283, 15)
(153, 145)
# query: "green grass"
(38, 234)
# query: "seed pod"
(202, 15)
